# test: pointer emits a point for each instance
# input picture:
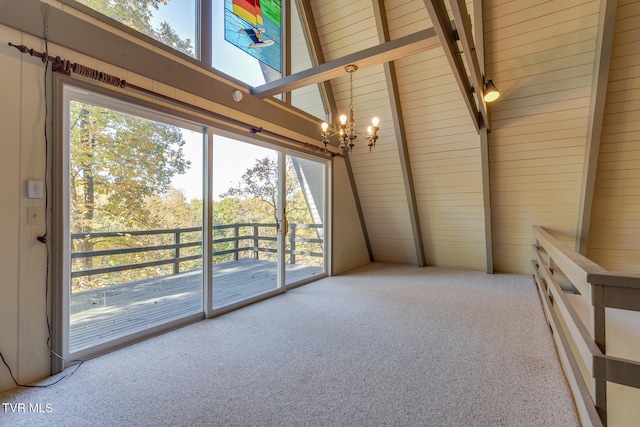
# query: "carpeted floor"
(384, 345)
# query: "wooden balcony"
(100, 315)
(113, 311)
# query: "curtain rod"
(66, 67)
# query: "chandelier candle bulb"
(347, 132)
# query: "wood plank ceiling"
(424, 192)
(421, 190)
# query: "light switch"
(35, 189)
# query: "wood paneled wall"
(346, 28)
(308, 98)
(444, 149)
(614, 239)
(541, 56)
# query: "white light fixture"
(490, 92)
(347, 132)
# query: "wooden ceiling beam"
(599, 85)
(447, 35)
(401, 135)
(317, 57)
(383, 53)
(463, 25)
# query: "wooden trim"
(484, 142)
(598, 318)
(621, 298)
(604, 43)
(574, 265)
(57, 239)
(586, 409)
(623, 371)
(576, 329)
(625, 280)
(603, 289)
(204, 46)
(401, 135)
(446, 34)
(389, 51)
(463, 25)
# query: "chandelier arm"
(347, 128)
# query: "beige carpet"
(385, 345)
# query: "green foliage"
(118, 160)
(120, 173)
(260, 182)
(137, 14)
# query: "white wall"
(23, 307)
(23, 334)
(349, 246)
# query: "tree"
(261, 182)
(116, 161)
(137, 14)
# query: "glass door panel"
(134, 220)
(246, 215)
(305, 210)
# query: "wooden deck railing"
(579, 321)
(184, 238)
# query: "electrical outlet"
(35, 215)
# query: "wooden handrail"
(585, 342)
(178, 244)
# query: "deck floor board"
(100, 315)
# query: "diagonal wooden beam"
(484, 146)
(463, 25)
(401, 135)
(386, 52)
(317, 57)
(604, 42)
(447, 36)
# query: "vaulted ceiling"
(453, 181)
(422, 185)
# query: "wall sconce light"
(490, 91)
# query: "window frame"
(60, 193)
(60, 181)
(204, 34)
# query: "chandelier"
(347, 132)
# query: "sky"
(181, 15)
(231, 159)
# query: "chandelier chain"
(347, 132)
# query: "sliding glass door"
(246, 221)
(305, 213)
(142, 247)
(268, 220)
(133, 220)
